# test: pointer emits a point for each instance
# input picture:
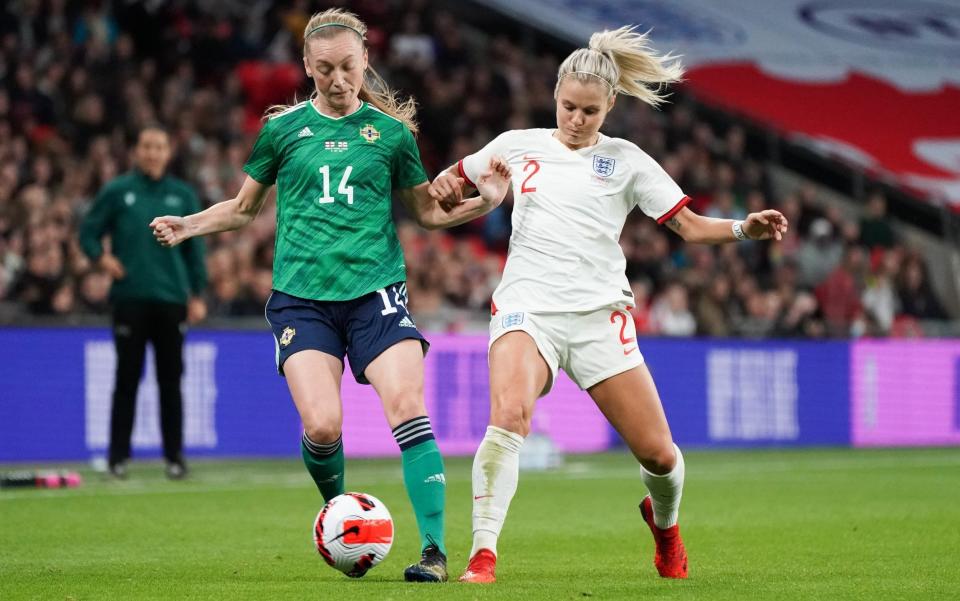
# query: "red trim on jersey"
(493, 308)
(666, 216)
(463, 174)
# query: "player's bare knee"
(404, 406)
(659, 460)
(322, 432)
(511, 417)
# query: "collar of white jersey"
(601, 138)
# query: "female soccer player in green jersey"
(338, 273)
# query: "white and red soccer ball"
(353, 533)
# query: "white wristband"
(738, 232)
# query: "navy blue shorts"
(361, 328)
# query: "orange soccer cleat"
(481, 568)
(671, 557)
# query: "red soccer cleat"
(671, 557)
(481, 568)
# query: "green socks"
(325, 464)
(424, 478)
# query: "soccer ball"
(353, 533)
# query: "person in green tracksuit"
(155, 292)
(338, 274)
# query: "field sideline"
(794, 524)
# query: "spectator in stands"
(880, 302)
(820, 254)
(95, 292)
(839, 294)
(916, 295)
(44, 275)
(670, 313)
(411, 47)
(713, 315)
(800, 318)
(875, 228)
(724, 206)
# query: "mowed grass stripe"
(216, 476)
(785, 524)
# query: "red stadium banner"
(875, 83)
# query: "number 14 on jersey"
(343, 188)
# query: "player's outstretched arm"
(764, 225)
(232, 214)
(437, 206)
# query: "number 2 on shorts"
(628, 343)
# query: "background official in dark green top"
(155, 290)
(141, 268)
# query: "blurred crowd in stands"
(78, 79)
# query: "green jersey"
(123, 209)
(335, 234)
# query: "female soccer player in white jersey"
(563, 301)
(338, 273)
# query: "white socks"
(665, 492)
(496, 469)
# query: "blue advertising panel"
(56, 387)
(752, 393)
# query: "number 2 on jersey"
(343, 188)
(530, 164)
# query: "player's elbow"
(244, 212)
(428, 220)
(428, 223)
(685, 232)
(692, 228)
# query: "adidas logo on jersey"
(305, 133)
(406, 322)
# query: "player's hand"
(494, 183)
(447, 190)
(112, 266)
(765, 225)
(196, 310)
(169, 230)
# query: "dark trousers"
(134, 324)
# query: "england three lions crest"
(603, 166)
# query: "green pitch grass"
(822, 524)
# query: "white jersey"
(569, 210)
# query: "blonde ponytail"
(624, 60)
(374, 90)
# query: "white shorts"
(590, 346)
